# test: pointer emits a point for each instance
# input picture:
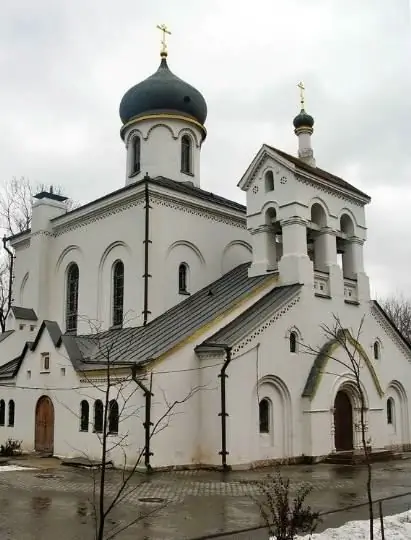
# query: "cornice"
(189, 207)
(339, 192)
(294, 220)
(385, 325)
(22, 243)
(239, 349)
(114, 207)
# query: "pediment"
(264, 159)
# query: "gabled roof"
(392, 324)
(316, 171)
(26, 314)
(251, 318)
(9, 370)
(129, 345)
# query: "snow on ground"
(396, 527)
(8, 468)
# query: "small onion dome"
(163, 92)
(303, 120)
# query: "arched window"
(376, 350)
(269, 181)
(136, 149)
(390, 411)
(84, 415)
(98, 416)
(72, 298)
(182, 278)
(11, 413)
(264, 414)
(2, 412)
(293, 342)
(186, 154)
(118, 293)
(113, 417)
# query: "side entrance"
(44, 426)
(343, 422)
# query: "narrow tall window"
(98, 416)
(118, 293)
(2, 412)
(264, 414)
(376, 350)
(113, 417)
(390, 411)
(186, 154)
(12, 409)
(84, 415)
(72, 298)
(182, 278)
(269, 181)
(293, 342)
(136, 155)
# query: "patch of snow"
(396, 527)
(8, 468)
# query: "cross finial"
(165, 31)
(302, 97)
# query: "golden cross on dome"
(165, 31)
(302, 98)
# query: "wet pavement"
(55, 502)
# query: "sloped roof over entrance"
(251, 318)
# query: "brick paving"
(197, 502)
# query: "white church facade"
(187, 301)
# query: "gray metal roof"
(140, 344)
(27, 314)
(252, 317)
(9, 370)
(325, 175)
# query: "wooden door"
(343, 422)
(44, 434)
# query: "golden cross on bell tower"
(165, 31)
(302, 97)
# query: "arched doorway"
(343, 422)
(44, 430)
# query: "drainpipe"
(147, 422)
(223, 414)
(146, 243)
(9, 301)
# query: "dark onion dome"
(303, 119)
(163, 92)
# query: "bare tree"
(122, 382)
(16, 197)
(349, 342)
(398, 309)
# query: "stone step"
(353, 457)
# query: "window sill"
(112, 434)
(45, 372)
(135, 173)
(116, 327)
(352, 302)
(184, 293)
(187, 173)
(83, 430)
(320, 295)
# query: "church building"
(189, 327)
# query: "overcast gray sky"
(64, 67)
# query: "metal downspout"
(147, 422)
(11, 255)
(146, 242)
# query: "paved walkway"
(53, 501)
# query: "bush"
(10, 448)
(285, 515)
